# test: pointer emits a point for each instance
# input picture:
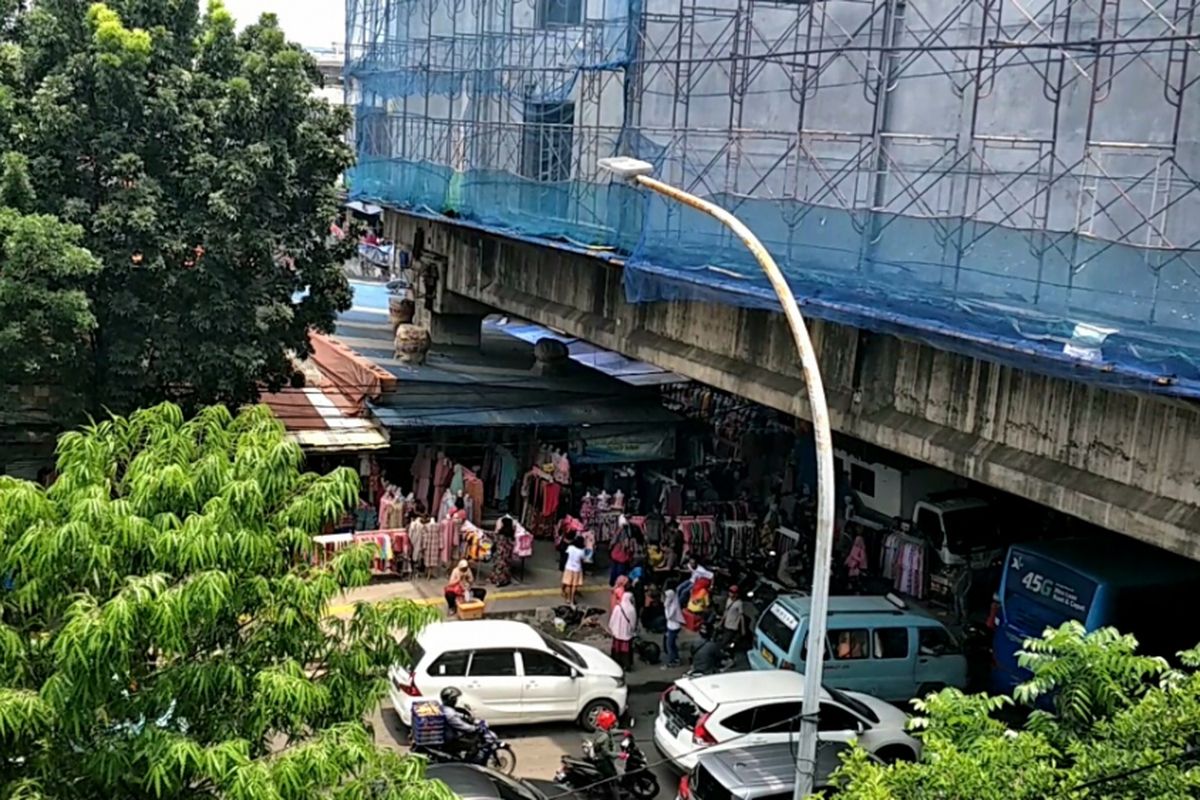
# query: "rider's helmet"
(606, 720)
(450, 696)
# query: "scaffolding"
(1017, 179)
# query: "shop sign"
(650, 444)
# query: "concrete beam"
(1127, 462)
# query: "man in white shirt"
(684, 590)
(735, 618)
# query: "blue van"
(877, 645)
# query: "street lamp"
(638, 173)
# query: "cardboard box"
(471, 609)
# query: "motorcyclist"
(605, 752)
(706, 658)
(462, 733)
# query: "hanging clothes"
(550, 494)
(427, 544)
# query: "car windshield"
(779, 627)
(510, 789)
(857, 706)
(970, 529)
(562, 650)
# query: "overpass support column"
(461, 330)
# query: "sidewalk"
(538, 588)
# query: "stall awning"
(322, 419)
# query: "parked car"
(876, 645)
(743, 709)
(509, 673)
(762, 772)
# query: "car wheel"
(895, 753)
(926, 689)
(587, 720)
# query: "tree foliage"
(1120, 726)
(203, 172)
(163, 632)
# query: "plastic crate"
(428, 724)
(472, 609)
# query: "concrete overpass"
(1128, 462)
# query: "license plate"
(673, 727)
(769, 656)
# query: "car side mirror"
(860, 728)
(574, 674)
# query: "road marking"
(345, 609)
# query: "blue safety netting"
(493, 117)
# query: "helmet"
(606, 720)
(450, 696)
(706, 630)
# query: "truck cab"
(962, 530)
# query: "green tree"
(45, 317)
(203, 171)
(1121, 726)
(163, 632)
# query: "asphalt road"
(540, 747)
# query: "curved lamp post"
(638, 173)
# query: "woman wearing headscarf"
(619, 589)
(502, 560)
(622, 623)
(459, 585)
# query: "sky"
(313, 23)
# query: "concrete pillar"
(461, 330)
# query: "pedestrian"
(674, 617)
(962, 592)
(622, 624)
(572, 577)
(618, 591)
(506, 537)
(695, 572)
(459, 585)
(734, 619)
(620, 554)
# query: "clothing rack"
(738, 538)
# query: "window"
(556, 13)
(929, 525)
(548, 141)
(544, 664)
(936, 642)
(862, 480)
(705, 787)
(834, 718)
(850, 645)
(741, 722)
(891, 642)
(777, 718)
(496, 663)
(453, 663)
(557, 647)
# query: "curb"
(345, 609)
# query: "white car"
(509, 673)
(697, 716)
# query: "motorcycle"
(489, 751)
(583, 775)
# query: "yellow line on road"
(344, 609)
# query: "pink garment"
(622, 621)
(856, 562)
(449, 529)
(442, 473)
